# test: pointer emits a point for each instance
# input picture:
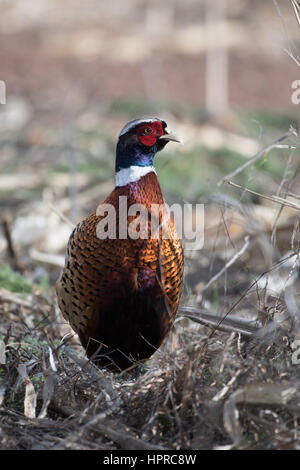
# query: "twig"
(48, 391)
(61, 215)
(19, 299)
(284, 202)
(84, 363)
(244, 294)
(228, 264)
(122, 438)
(287, 35)
(30, 399)
(230, 323)
(276, 199)
(296, 196)
(48, 258)
(292, 57)
(6, 224)
(283, 181)
(221, 394)
(262, 152)
(296, 7)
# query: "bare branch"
(229, 323)
(228, 264)
(261, 153)
(296, 10)
(276, 199)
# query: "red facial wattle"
(148, 140)
(148, 134)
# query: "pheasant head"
(138, 143)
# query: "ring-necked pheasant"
(121, 293)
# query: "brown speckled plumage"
(121, 295)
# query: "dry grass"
(205, 388)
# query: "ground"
(227, 376)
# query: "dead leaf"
(30, 394)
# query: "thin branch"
(287, 35)
(47, 258)
(221, 394)
(6, 220)
(230, 323)
(228, 264)
(296, 7)
(292, 57)
(296, 196)
(244, 294)
(276, 199)
(262, 152)
(61, 215)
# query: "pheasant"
(120, 287)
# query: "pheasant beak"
(171, 136)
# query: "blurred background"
(220, 73)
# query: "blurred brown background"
(219, 72)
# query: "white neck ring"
(132, 174)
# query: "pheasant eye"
(148, 130)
